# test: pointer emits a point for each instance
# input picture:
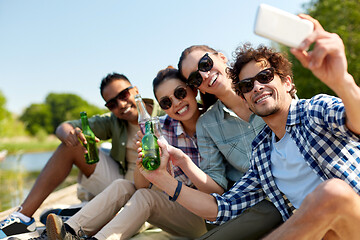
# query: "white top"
(292, 174)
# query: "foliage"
(58, 107)
(37, 117)
(9, 125)
(343, 18)
(61, 106)
(15, 184)
(3, 112)
(29, 144)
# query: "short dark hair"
(110, 78)
(246, 53)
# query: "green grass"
(16, 185)
(28, 144)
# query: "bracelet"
(177, 192)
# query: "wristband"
(177, 192)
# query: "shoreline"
(27, 144)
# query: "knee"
(332, 196)
(65, 152)
(122, 188)
(147, 196)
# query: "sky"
(67, 46)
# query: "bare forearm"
(139, 180)
(199, 203)
(201, 180)
(350, 95)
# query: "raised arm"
(328, 62)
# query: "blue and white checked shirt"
(174, 133)
(318, 128)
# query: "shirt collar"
(223, 109)
(294, 116)
(178, 128)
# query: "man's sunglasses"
(180, 93)
(205, 64)
(246, 85)
(123, 95)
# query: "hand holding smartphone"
(281, 26)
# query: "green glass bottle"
(92, 156)
(151, 153)
(143, 115)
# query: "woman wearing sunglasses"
(225, 133)
(148, 203)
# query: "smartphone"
(281, 26)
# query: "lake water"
(27, 161)
(18, 174)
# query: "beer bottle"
(150, 148)
(143, 115)
(92, 156)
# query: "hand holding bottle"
(68, 135)
(88, 140)
(82, 139)
(137, 137)
(150, 148)
(155, 175)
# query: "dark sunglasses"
(246, 85)
(180, 93)
(205, 64)
(123, 95)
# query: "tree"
(10, 126)
(343, 18)
(37, 117)
(58, 107)
(3, 112)
(61, 106)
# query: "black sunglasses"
(205, 64)
(123, 95)
(180, 93)
(246, 85)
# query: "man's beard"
(266, 114)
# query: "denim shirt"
(224, 142)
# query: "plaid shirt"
(318, 128)
(174, 133)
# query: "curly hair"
(246, 53)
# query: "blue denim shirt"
(224, 142)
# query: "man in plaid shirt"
(308, 145)
(307, 157)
